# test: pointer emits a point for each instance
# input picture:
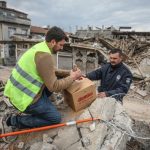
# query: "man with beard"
(34, 79)
(115, 77)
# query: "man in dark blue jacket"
(115, 77)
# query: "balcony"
(11, 19)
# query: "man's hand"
(101, 95)
(75, 74)
(83, 75)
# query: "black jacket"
(115, 81)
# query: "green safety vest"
(25, 82)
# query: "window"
(12, 48)
(2, 13)
(25, 46)
(11, 31)
(24, 31)
(10, 14)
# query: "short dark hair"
(55, 33)
(116, 50)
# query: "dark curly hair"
(55, 33)
(116, 50)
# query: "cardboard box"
(80, 94)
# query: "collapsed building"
(121, 127)
(88, 49)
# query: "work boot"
(5, 127)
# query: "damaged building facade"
(11, 22)
(86, 58)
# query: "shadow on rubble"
(141, 129)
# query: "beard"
(54, 51)
(113, 65)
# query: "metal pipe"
(47, 127)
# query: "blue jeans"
(41, 113)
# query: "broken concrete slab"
(86, 114)
(145, 66)
(76, 146)
(93, 140)
(121, 118)
(43, 146)
(103, 108)
(68, 135)
(81, 137)
(115, 140)
(142, 92)
(105, 136)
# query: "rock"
(103, 108)
(43, 146)
(142, 92)
(76, 146)
(47, 138)
(20, 145)
(85, 115)
(121, 118)
(66, 137)
(145, 66)
(115, 141)
(93, 140)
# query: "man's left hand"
(101, 94)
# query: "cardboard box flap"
(79, 85)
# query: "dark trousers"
(41, 113)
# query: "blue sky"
(69, 14)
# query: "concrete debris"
(145, 66)
(20, 145)
(76, 146)
(43, 146)
(142, 92)
(115, 119)
(92, 127)
(68, 135)
(94, 139)
(115, 140)
(91, 135)
(47, 138)
(98, 108)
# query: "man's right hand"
(75, 74)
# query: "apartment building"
(12, 22)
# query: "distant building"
(12, 22)
(123, 32)
(99, 32)
(38, 32)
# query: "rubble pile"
(107, 133)
(1, 88)
(118, 123)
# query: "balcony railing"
(11, 19)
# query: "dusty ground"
(138, 110)
(5, 73)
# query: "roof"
(14, 10)
(125, 27)
(38, 30)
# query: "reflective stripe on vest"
(21, 87)
(28, 77)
